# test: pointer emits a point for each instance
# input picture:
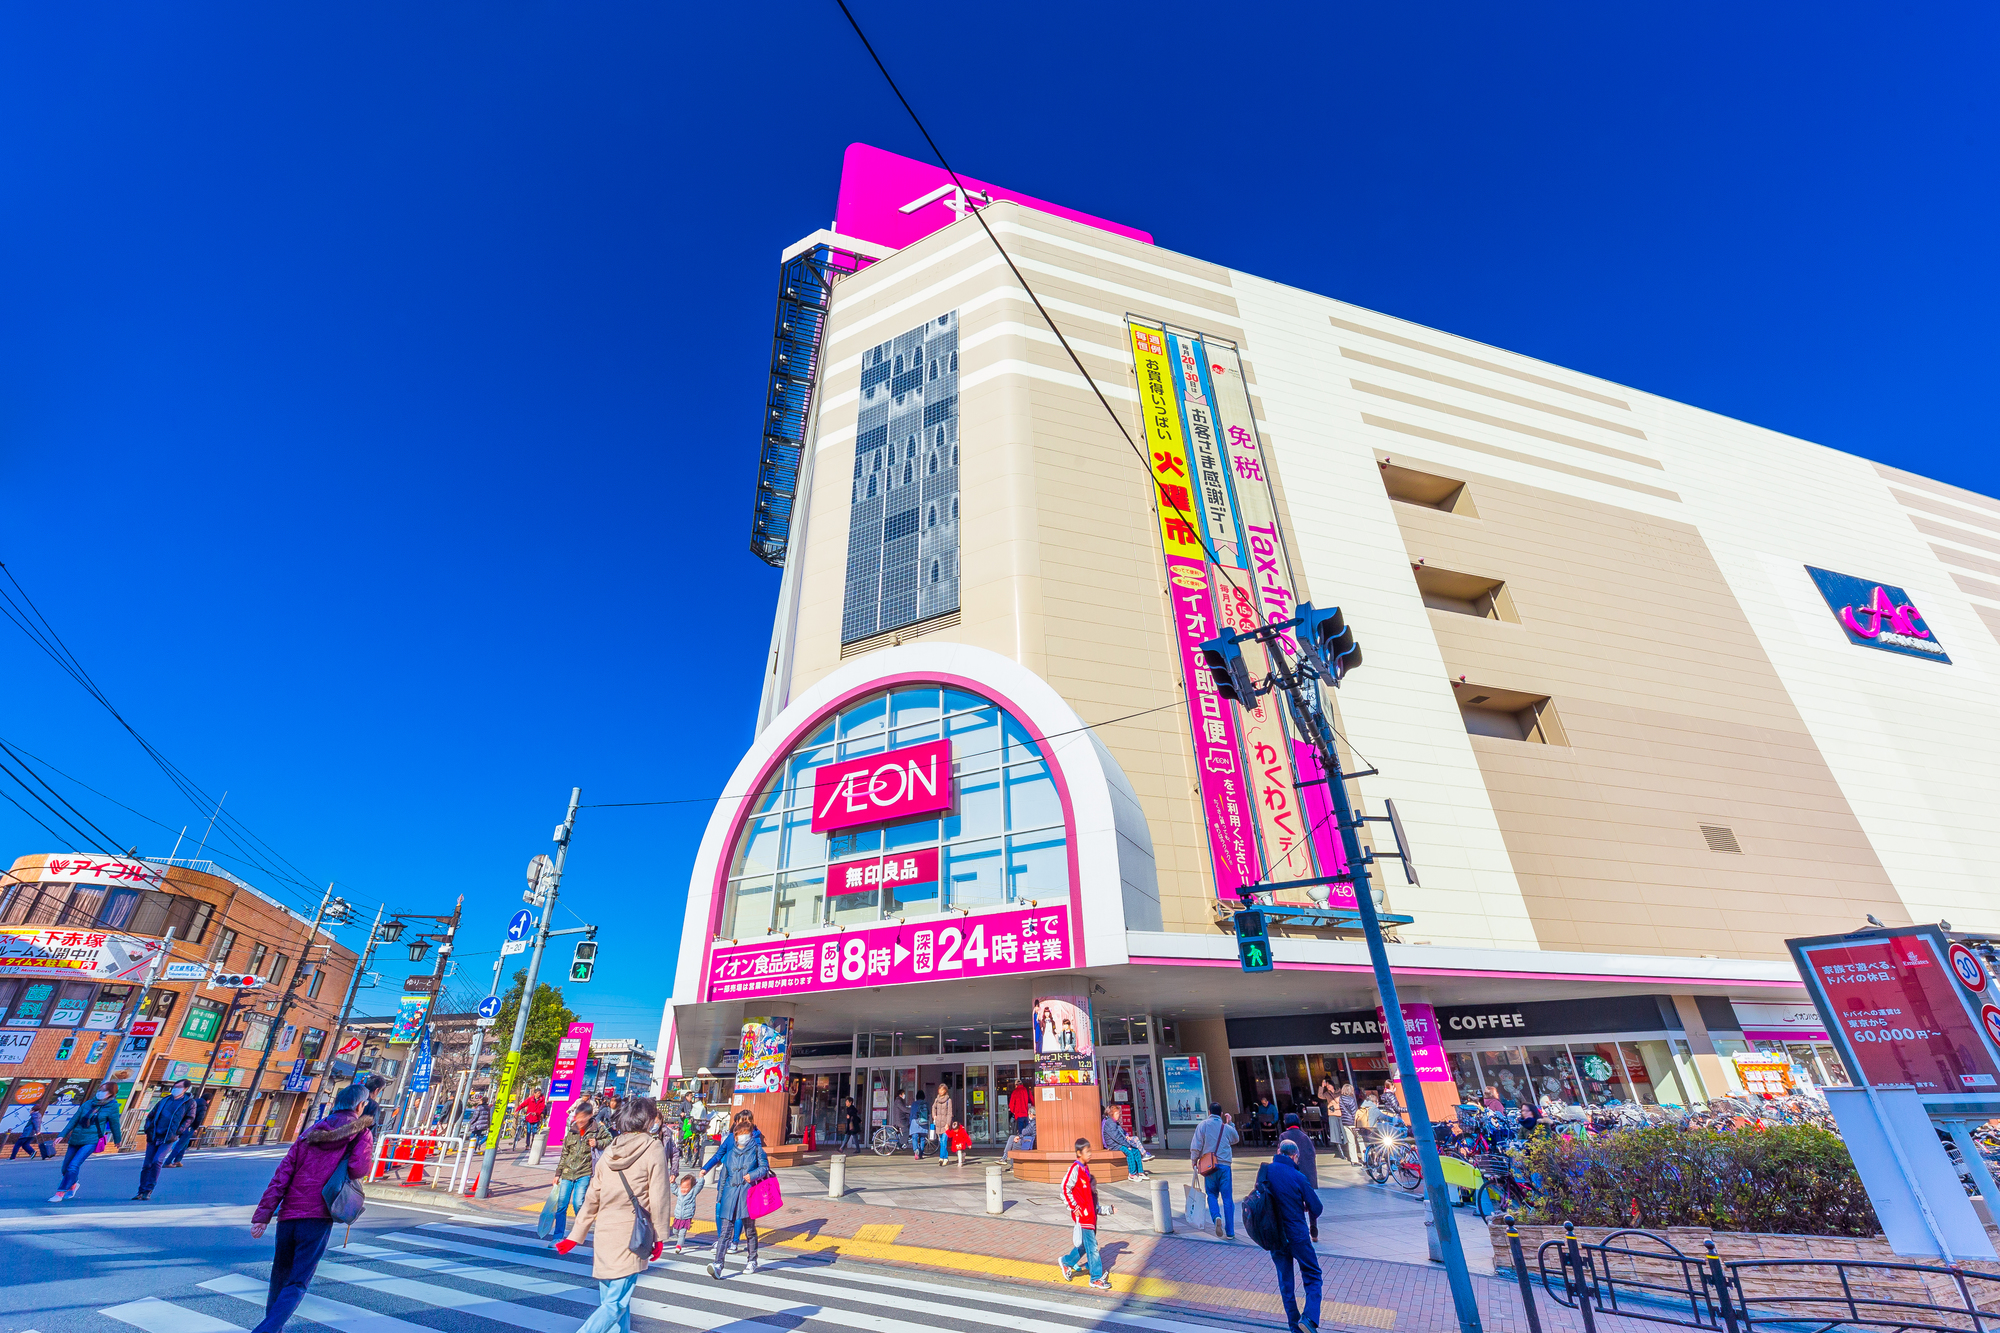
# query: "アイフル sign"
(880, 788)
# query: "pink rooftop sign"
(894, 200)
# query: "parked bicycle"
(888, 1139)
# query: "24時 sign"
(915, 780)
(1877, 615)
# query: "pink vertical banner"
(1226, 809)
(1320, 819)
(566, 1077)
(1426, 1043)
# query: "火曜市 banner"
(1025, 939)
(76, 955)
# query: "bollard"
(1163, 1208)
(538, 1143)
(994, 1202)
(836, 1176)
(1521, 1276)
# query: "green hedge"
(1793, 1178)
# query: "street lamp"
(392, 930)
(418, 948)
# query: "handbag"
(643, 1238)
(342, 1197)
(1196, 1212)
(764, 1197)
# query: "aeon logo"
(915, 780)
(1876, 615)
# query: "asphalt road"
(185, 1263)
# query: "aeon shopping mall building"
(1650, 690)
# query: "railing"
(427, 1161)
(1640, 1275)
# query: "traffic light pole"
(551, 882)
(1311, 720)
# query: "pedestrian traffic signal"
(1253, 941)
(1326, 636)
(582, 961)
(1225, 662)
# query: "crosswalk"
(448, 1277)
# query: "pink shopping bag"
(764, 1197)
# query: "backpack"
(1260, 1214)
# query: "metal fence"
(427, 1161)
(1640, 1275)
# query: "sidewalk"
(923, 1216)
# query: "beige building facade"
(1632, 740)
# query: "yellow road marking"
(885, 1232)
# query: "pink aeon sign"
(893, 200)
(953, 948)
(915, 780)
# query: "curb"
(423, 1198)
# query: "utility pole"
(347, 1005)
(138, 1006)
(478, 1044)
(430, 1010)
(284, 1005)
(550, 882)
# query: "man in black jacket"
(1298, 1207)
(164, 1123)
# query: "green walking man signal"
(583, 960)
(1253, 941)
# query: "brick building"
(78, 934)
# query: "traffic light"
(236, 981)
(1326, 636)
(1225, 662)
(1253, 941)
(582, 961)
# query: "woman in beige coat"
(635, 1160)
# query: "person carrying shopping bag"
(96, 1122)
(1214, 1138)
(581, 1142)
(629, 1204)
(296, 1196)
(738, 1164)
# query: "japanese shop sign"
(1876, 615)
(14, 1047)
(572, 1056)
(79, 955)
(1893, 1002)
(1420, 1023)
(1022, 939)
(894, 201)
(909, 875)
(100, 870)
(915, 780)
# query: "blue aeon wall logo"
(1877, 615)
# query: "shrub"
(1792, 1178)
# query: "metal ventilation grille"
(1721, 838)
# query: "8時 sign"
(902, 783)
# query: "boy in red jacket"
(1079, 1191)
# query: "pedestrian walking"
(31, 1138)
(1079, 1191)
(582, 1138)
(1297, 1206)
(630, 1183)
(1020, 1105)
(164, 1123)
(941, 1118)
(370, 1107)
(532, 1111)
(1348, 1108)
(478, 1119)
(1214, 1138)
(1116, 1139)
(850, 1126)
(1308, 1156)
(296, 1196)
(920, 1129)
(96, 1122)
(742, 1164)
(190, 1131)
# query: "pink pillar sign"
(1426, 1044)
(566, 1078)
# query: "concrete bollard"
(1163, 1207)
(836, 1176)
(538, 1143)
(995, 1203)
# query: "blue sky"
(379, 387)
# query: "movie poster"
(766, 1049)
(1064, 1051)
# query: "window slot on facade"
(1721, 838)
(1426, 489)
(1465, 594)
(1509, 715)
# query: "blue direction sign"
(520, 925)
(490, 1007)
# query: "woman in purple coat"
(295, 1196)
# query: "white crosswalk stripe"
(433, 1277)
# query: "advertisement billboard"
(1064, 1049)
(1187, 1089)
(410, 1011)
(1024, 939)
(75, 955)
(763, 1054)
(566, 1077)
(914, 780)
(1901, 1016)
